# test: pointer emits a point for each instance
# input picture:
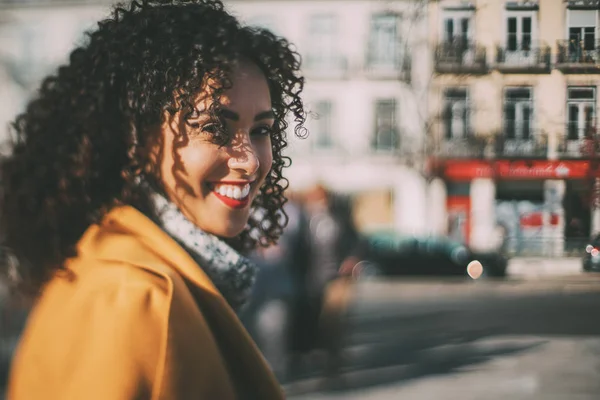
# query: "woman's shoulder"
(119, 287)
(111, 320)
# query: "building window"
(518, 113)
(322, 39)
(456, 113)
(581, 112)
(386, 134)
(323, 132)
(519, 31)
(582, 32)
(457, 27)
(384, 49)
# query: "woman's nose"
(243, 156)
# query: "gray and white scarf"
(233, 274)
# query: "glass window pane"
(448, 121)
(581, 94)
(465, 120)
(518, 94)
(464, 28)
(456, 94)
(323, 138)
(526, 34)
(456, 113)
(526, 126)
(589, 38)
(512, 25)
(588, 120)
(449, 32)
(511, 40)
(322, 31)
(510, 120)
(384, 43)
(575, 34)
(574, 42)
(573, 116)
(385, 125)
(527, 25)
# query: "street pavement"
(534, 335)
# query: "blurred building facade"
(513, 112)
(368, 70)
(35, 37)
(367, 104)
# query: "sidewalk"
(534, 267)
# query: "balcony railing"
(579, 141)
(331, 66)
(583, 4)
(471, 146)
(534, 60)
(576, 56)
(399, 69)
(460, 57)
(536, 146)
(580, 148)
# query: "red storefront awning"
(465, 170)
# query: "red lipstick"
(233, 203)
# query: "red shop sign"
(521, 169)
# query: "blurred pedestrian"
(128, 202)
(334, 247)
(279, 286)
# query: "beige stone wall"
(486, 91)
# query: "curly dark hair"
(82, 143)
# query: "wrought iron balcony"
(533, 147)
(583, 4)
(326, 67)
(580, 148)
(398, 69)
(534, 60)
(578, 56)
(460, 57)
(580, 142)
(471, 146)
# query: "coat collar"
(133, 230)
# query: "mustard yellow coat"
(139, 319)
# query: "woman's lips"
(233, 203)
(232, 194)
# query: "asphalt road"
(536, 338)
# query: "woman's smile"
(232, 194)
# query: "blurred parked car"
(391, 254)
(591, 257)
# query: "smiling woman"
(134, 190)
(211, 177)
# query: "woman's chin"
(225, 232)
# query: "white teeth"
(233, 191)
(237, 193)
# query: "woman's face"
(214, 185)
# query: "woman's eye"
(262, 131)
(211, 129)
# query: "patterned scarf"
(231, 273)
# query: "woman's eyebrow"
(232, 115)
